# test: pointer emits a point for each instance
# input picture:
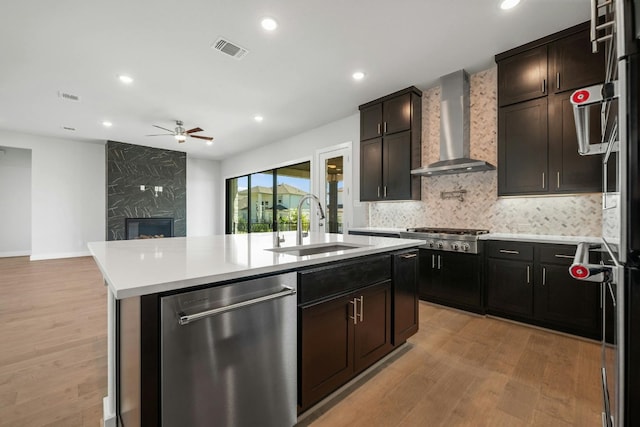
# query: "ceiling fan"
(181, 134)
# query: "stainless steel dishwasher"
(229, 355)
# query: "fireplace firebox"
(148, 228)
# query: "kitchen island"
(139, 273)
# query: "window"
(253, 206)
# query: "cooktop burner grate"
(456, 231)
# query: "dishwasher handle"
(185, 319)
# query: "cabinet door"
(405, 296)
(510, 287)
(522, 148)
(371, 122)
(326, 359)
(523, 76)
(396, 114)
(573, 65)
(430, 274)
(373, 329)
(571, 304)
(396, 166)
(371, 170)
(460, 282)
(569, 171)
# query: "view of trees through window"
(253, 206)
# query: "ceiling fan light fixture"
(181, 138)
(209, 142)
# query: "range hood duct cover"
(454, 130)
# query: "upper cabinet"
(537, 148)
(390, 146)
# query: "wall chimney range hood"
(454, 130)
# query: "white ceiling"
(298, 77)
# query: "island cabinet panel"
(326, 357)
(347, 312)
(390, 146)
(531, 283)
(405, 296)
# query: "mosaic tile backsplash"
(481, 208)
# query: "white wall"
(204, 201)
(299, 148)
(68, 194)
(15, 202)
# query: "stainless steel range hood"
(454, 130)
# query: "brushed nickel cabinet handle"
(378, 191)
(557, 80)
(558, 179)
(355, 311)
(385, 191)
(439, 262)
(433, 261)
(543, 183)
(563, 256)
(385, 127)
(361, 315)
(528, 274)
(407, 256)
(378, 128)
(507, 251)
(544, 276)
(544, 85)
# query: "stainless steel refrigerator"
(615, 28)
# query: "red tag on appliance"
(580, 96)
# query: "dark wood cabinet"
(340, 337)
(405, 296)
(531, 283)
(522, 77)
(573, 65)
(326, 359)
(390, 146)
(371, 122)
(371, 169)
(569, 171)
(537, 146)
(451, 278)
(522, 148)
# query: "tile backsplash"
(481, 207)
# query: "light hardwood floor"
(458, 370)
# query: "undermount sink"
(317, 249)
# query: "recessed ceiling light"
(358, 75)
(107, 124)
(269, 24)
(258, 118)
(508, 4)
(125, 79)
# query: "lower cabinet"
(531, 283)
(451, 278)
(341, 337)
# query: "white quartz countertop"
(378, 230)
(541, 238)
(140, 267)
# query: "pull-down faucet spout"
(302, 200)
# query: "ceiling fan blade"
(161, 134)
(193, 130)
(208, 138)
(160, 127)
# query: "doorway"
(334, 181)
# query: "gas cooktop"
(456, 231)
(446, 239)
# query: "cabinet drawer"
(510, 250)
(322, 282)
(563, 254)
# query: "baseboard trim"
(11, 254)
(40, 257)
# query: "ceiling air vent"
(69, 96)
(231, 49)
